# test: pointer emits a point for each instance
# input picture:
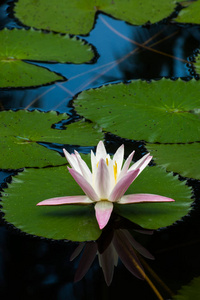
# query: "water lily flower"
(107, 183)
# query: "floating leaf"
(21, 130)
(155, 180)
(190, 291)
(77, 17)
(18, 47)
(179, 158)
(190, 14)
(71, 222)
(161, 111)
(76, 222)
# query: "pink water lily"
(107, 183)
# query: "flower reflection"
(107, 183)
(112, 245)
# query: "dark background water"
(34, 268)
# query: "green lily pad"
(190, 291)
(179, 158)
(76, 222)
(22, 130)
(19, 47)
(155, 180)
(197, 64)
(163, 111)
(72, 222)
(77, 17)
(190, 14)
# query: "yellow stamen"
(97, 164)
(107, 161)
(115, 171)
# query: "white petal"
(101, 151)
(141, 163)
(119, 157)
(102, 181)
(84, 167)
(72, 160)
(126, 165)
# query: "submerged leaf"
(161, 111)
(19, 47)
(179, 158)
(77, 17)
(190, 291)
(22, 130)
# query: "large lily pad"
(76, 222)
(161, 111)
(179, 158)
(190, 14)
(18, 47)
(155, 180)
(22, 130)
(77, 17)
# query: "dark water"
(32, 268)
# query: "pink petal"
(137, 198)
(126, 165)
(141, 163)
(103, 210)
(100, 151)
(66, 200)
(102, 182)
(86, 187)
(122, 185)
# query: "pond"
(127, 73)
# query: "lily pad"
(190, 291)
(179, 158)
(22, 130)
(76, 222)
(19, 47)
(77, 17)
(197, 64)
(155, 180)
(190, 14)
(163, 111)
